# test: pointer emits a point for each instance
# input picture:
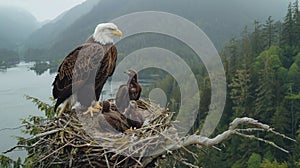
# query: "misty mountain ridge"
(49, 32)
(219, 19)
(16, 25)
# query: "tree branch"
(205, 141)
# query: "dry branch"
(74, 140)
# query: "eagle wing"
(76, 69)
(122, 97)
(117, 120)
(135, 91)
(108, 65)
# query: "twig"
(262, 140)
(107, 162)
(55, 151)
(189, 164)
(14, 128)
(71, 146)
(282, 135)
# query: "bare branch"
(14, 128)
(71, 140)
(205, 141)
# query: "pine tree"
(225, 60)
(288, 29)
(296, 20)
(267, 66)
(254, 160)
(256, 40)
(293, 77)
(245, 52)
(240, 92)
(233, 52)
(269, 33)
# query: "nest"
(76, 140)
(73, 140)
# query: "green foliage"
(269, 33)
(288, 28)
(40, 67)
(6, 162)
(297, 59)
(269, 164)
(293, 96)
(281, 119)
(272, 56)
(233, 51)
(297, 155)
(240, 92)
(238, 164)
(254, 160)
(31, 124)
(256, 40)
(263, 70)
(293, 77)
(8, 58)
(47, 108)
(78, 23)
(264, 85)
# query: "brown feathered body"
(84, 72)
(130, 91)
(115, 119)
(134, 117)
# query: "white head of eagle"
(105, 32)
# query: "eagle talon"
(129, 131)
(98, 106)
(91, 110)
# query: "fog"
(43, 9)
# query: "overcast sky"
(43, 9)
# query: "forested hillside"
(219, 19)
(263, 73)
(262, 65)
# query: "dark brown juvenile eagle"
(130, 91)
(115, 119)
(83, 73)
(134, 118)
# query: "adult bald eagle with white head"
(84, 71)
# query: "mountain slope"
(16, 25)
(218, 18)
(48, 33)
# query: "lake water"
(14, 84)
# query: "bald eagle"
(130, 91)
(134, 118)
(115, 119)
(84, 71)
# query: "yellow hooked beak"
(118, 33)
